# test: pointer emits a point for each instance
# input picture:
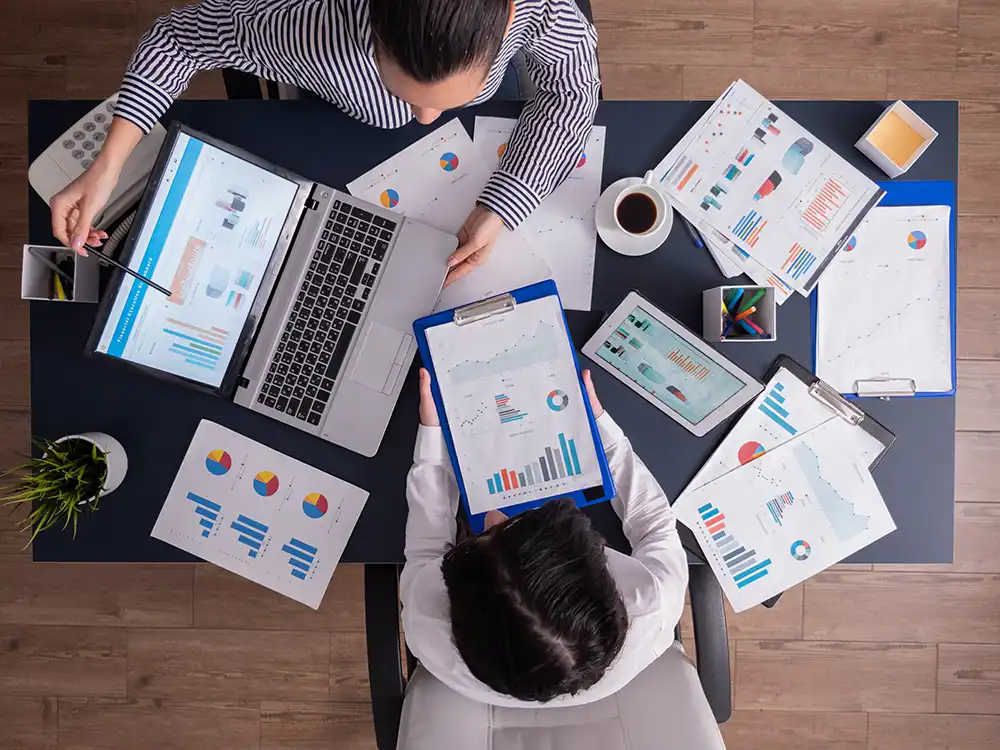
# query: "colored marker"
(753, 300)
(735, 298)
(746, 313)
(752, 327)
(725, 310)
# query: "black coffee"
(636, 213)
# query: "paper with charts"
(437, 181)
(514, 406)
(786, 516)
(884, 308)
(259, 513)
(564, 227)
(785, 200)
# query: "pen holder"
(37, 274)
(715, 323)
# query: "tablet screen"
(667, 367)
(213, 224)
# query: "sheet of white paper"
(564, 227)
(727, 265)
(885, 305)
(437, 181)
(784, 409)
(514, 406)
(788, 515)
(768, 185)
(259, 513)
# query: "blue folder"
(918, 193)
(447, 317)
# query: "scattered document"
(564, 227)
(785, 200)
(885, 306)
(514, 406)
(259, 513)
(437, 181)
(785, 516)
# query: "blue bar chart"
(558, 462)
(302, 557)
(773, 407)
(742, 563)
(252, 533)
(195, 350)
(505, 411)
(777, 506)
(208, 512)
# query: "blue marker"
(736, 298)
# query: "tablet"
(672, 368)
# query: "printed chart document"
(786, 516)
(785, 200)
(514, 406)
(564, 226)
(885, 305)
(437, 181)
(259, 513)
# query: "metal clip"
(837, 403)
(502, 303)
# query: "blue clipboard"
(497, 306)
(917, 193)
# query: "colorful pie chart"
(851, 244)
(582, 161)
(389, 198)
(916, 239)
(449, 161)
(557, 400)
(749, 451)
(218, 462)
(801, 550)
(265, 483)
(501, 150)
(315, 505)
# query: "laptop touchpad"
(377, 356)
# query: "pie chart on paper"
(265, 483)
(916, 239)
(449, 161)
(315, 505)
(218, 462)
(389, 198)
(749, 451)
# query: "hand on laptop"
(476, 238)
(428, 409)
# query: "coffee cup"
(641, 209)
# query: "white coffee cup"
(642, 216)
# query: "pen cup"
(760, 325)
(37, 273)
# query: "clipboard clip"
(487, 308)
(885, 387)
(836, 403)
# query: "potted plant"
(68, 477)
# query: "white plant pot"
(113, 452)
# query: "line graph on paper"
(531, 349)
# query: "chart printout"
(514, 406)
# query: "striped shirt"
(326, 47)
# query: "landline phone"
(73, 153)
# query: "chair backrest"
(664, 701)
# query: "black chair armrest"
(385, 666)
(711, 639)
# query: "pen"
(695, 235)
(736, 298)
(134, 274)
(746, 313)
(753, 300)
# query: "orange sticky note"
(894, 137)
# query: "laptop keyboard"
(337, 286)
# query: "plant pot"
(114, 454)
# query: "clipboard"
(914, 193)
(501, 305)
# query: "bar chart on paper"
(252, 533)
(741, 563)
(558, 461)
(207, 511)
(302, 557)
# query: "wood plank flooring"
(104, 657)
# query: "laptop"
(286, 296)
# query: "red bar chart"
(685, 363)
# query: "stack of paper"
(787, 494)
(770, 199)
(437, 181)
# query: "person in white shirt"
(536, 610)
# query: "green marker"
(753, 300)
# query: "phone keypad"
(83, 143)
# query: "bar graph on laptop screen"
(664, 365)
(208, 238)
(514, 406)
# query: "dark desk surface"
(155, 420)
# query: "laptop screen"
(213, 224)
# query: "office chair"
(664, 700)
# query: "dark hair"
(433, 39)
(535, 613)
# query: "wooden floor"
(102, 657)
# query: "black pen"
(698, 241)
(126, 269)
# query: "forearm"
(122, 139)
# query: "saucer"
(615, 238)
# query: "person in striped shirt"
(384, 62)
